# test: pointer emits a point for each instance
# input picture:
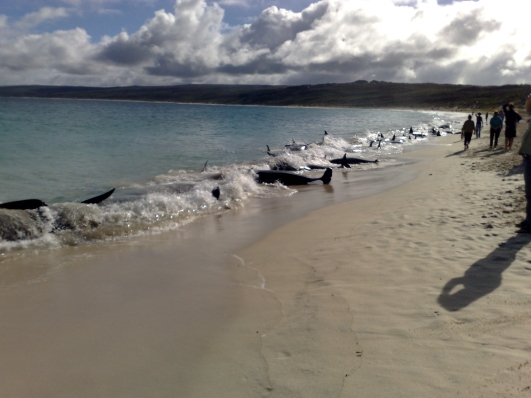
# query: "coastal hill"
(363, 94)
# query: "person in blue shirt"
(496, 124)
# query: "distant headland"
(358, 94)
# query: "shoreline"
(315, 307)
(134, 180)
(428, 298)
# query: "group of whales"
(281, 172)
(343, 162)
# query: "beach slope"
(422, 290)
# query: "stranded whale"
(32, 204)
(286, 178)
(27, 204)
(346, 162)
(295, 146)
(272, 153)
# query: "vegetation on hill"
(361, 93)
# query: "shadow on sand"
(519, 169)
(483, 277)
(482, 153)
(455, 153)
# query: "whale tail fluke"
(327, 176)
(376, 161)
(99, 198)
(204, 167)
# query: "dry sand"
(427, 297)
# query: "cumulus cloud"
(185, 43)
(329, 41)
(276, 26)
(63, 51)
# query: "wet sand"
(142, 317)
(399, 281)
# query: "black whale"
(346, 162)
(32, 204)
(286, 178)
(27, 204)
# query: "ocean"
(165, 159)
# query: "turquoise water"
(65, 151)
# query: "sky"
(288, 42)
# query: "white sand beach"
(426, 296)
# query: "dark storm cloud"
(124, 52)
(167, 65)
(261, 66)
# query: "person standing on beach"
(511, 120)
(486, 117)
(525, 151)
(467, 130)
(479, 124)
(496, 125)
